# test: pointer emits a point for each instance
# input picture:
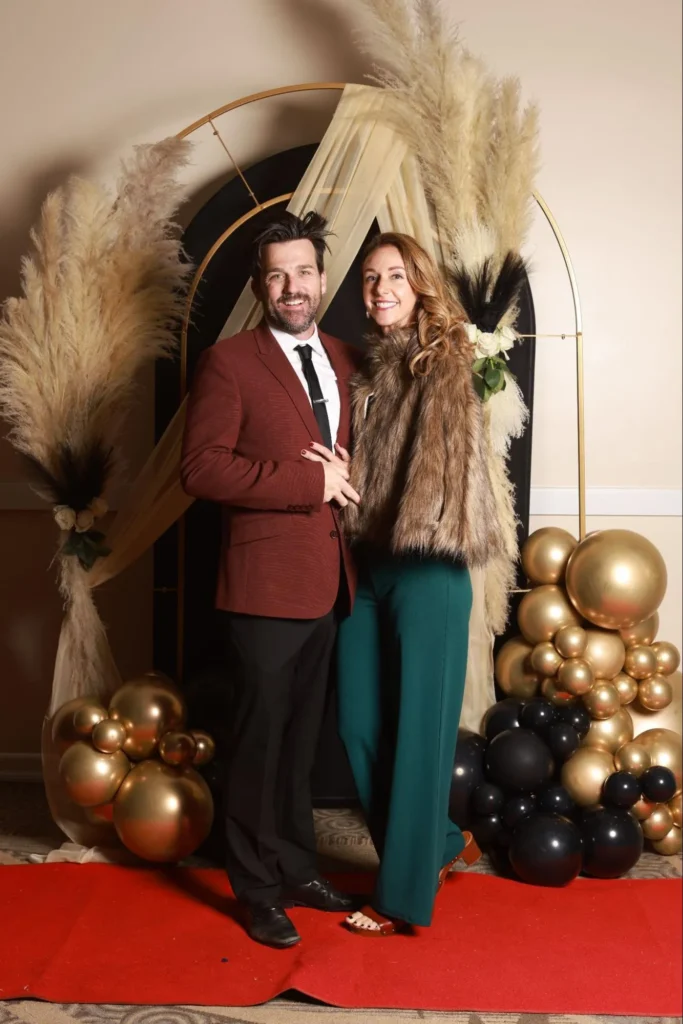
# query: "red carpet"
(102, 934)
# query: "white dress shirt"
(322, 367)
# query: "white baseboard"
(20, 768)
(606, 501)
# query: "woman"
(426, 515)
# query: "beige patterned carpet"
(26, 830)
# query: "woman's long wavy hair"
(439, 317)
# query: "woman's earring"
(367, 314)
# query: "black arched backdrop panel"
(221, 285)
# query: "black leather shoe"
(268, 924)
(320, 895)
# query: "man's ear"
(323, 283)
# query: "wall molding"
(606, 501)
(20, 768)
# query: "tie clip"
(317, 401)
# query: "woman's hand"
(341, 461)
(337, 471)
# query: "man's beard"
(295, 320)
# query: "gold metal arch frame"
(576, 334)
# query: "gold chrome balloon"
(90, 777)
(658, 823)
(626, 687)
(584, 774)
(543, 611)
(108, 736)
(545, 555)
(571, 641)
(640, 662)
(633, 758)
(664, 748)
(205, 747)
(104, 814)
(675, 808)
(87, 717)
(610, 733)
(62, 729)
(161, 813)
(551, 692)
(575, 676)
(605, 653)
(668, 657)
(671, 843)
(602, 701)
(643, 808)
(670, 717)
(616, 578)
(643, 633)
(655, 693)
(147, 708)
(544, 659)
(513, 669)
(177, 748)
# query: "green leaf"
(493, 379)
(479, 386)
(478, 365)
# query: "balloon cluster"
(588, 626)
(133, 764)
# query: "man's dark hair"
(290, 228)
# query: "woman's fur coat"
(420, 456)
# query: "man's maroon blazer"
(248, 419)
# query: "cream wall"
(80, 82)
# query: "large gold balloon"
(675, 808)
(643, 633)
(177, 748)
(602, 701)
(640, 662)
(571, 641)
(575, 676)
(668, 657)
(605, 653)
(515, 676)
(91, 777)
(205, 747)
(161, 813)
(584, 774)
(626, 687)
(147, 708)
(62, 729)
(546, 553)
(551, 691)
(544, 659)
(610, 733)
(108, 736)
(670, 717)
(616, 578)
(671, 843)
(655, 693)
(633, 758)
(643, 808)
(664, 748)
(658, 823)
(87, 717)
(543, 611)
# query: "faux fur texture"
(420, 456)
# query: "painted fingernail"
(304, 452)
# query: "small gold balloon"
(664, 748)
(551, 692)
(602, 701)
(545, 555)
(87, 717)
(643, 808)
(670, 717)
(108, 736)
(571, 641)
(655, 693)
(544, 659)
(62, 730)
(640, 662)
(584, 774)
(633, 758)
(668, 657)
(671, 843)
(147, 708)
(91, 777)
(513, 669)
(626, 687)
(605, 653)
(643, 633)
(205, 747)
(658, 823)
(575, 676)
(610, 733)
(675, 808)
(543, 611)
(177, 748)
(616, 578)
(161, 813)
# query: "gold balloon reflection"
(626, 687)
(513, 669)
(605, 653)
(668, 657)
(544, 659)
(670, 717)
(545, 555)
(91, 777)
(633, 758)
(108, 736)
(640, 662)
(584, 774)
(571, 641)
(643, 633)
(658, 823)
(610, 733)
(575, 676)
(147, 708)
(602, 701)
(205, 747)
(62, 730)
(177, 748)
(655, 693)
(543, 611)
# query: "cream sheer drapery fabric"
(360, 172)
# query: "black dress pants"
(279, 670)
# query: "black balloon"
(622, 789)
(612, 842)
(518, 760)
(546, 850)
(563, 740)
(487, 828)
(501, 716)
(658, 784)
(468, 772)
(517, 808)
(537, 715)
(555, 800)
(487, 799)
(576, 716)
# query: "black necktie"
(315, 391)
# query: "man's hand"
(336, 468)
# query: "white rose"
(507, 338)
(64, 517)
(472, 331)
(487, 345)
(85, 520)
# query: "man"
(263, 407)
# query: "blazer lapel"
(281, 368)
(342, 374)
